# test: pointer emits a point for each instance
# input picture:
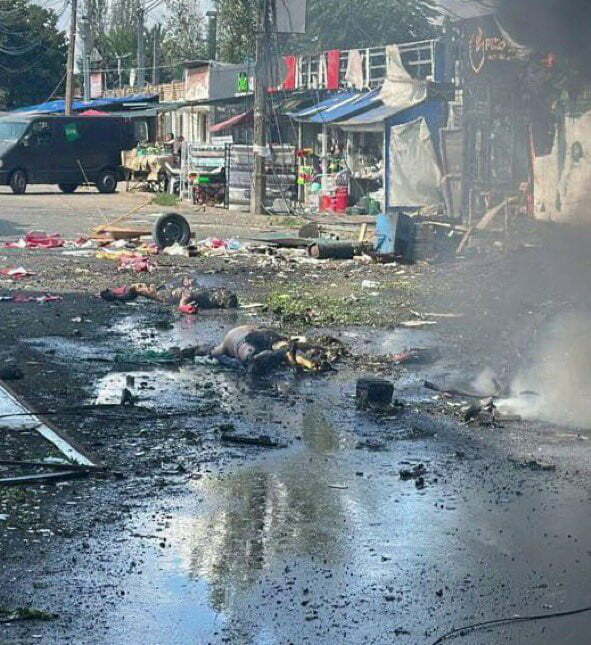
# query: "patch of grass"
(288, 222)
(320, 308)
(165, 199)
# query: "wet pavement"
(321, 541)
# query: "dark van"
(63, 150)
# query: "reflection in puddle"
(283, 506)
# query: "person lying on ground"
(185, 297)
(262, 350)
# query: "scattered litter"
(177, 249)
(433, 315)
(369, 284)
(418, 323)
(16, 273)
(135, 262)
(37, 240)
(21, 298)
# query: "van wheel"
(67, 188)
(18, 182)
(107, 181)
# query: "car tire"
(171, 228)
(18, 182)
(107, 181)
(67, 188)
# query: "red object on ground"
(190, 310)
(136, 262)
(16, 273)
(325, 203)
(37, 240)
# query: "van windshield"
(12, 130)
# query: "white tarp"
(415, 176)
(400, 90)
(561, 189)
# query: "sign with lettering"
(483, 49)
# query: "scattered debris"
(16, 273)
(45, 478)
(418, 323)
(262, 440)
(37, 240)
(373, 393)
(25, 613)
(415, 473)
(419, 355)
(19, 298)
(533, 464)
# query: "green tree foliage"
(345, 24)
(339, 24)
(32, 53)
(184, 31)
(236, 29)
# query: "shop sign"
(483, 49)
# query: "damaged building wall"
(562, 177)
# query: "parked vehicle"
(63, 150)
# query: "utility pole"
(257, 197)
(212, 29)
(85, 34)
(141, 65)
(156, 38)
(71, 54)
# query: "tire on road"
(18, 182)
(67, 188)
(171, 228)
(106, 182)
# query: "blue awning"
(346, 104)
(56, 107)
(432, 110)
(306, 113)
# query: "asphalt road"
(321, 541)
(46, 208)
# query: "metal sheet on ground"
(25, 419)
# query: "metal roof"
(433, 111)
(339, 107)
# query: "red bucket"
(340, 201)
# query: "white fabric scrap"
(355, 75)
(400, 90)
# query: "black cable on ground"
(506, 621)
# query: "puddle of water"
(382, 342)
(66, 349)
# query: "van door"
(39, 147)
(69, 145)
